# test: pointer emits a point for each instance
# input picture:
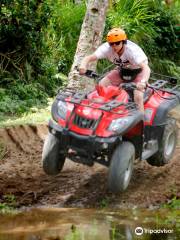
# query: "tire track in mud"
(21, 172)
(21, 175)
(23, 137)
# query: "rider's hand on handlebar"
(141, 86)
(82, 70)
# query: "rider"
(119, 50)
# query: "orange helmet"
(116, 35)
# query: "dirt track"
(21, 175)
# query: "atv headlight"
(62, 109)
(121, 124)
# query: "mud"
(22, 177)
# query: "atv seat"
(148, 93)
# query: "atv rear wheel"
(52, 159)
(167, 146)
(121, 167)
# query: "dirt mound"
(23, 138)
(21, 175)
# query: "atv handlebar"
(89, 73)
(128, 86)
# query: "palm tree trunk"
(90, 38)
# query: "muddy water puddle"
(88, 224)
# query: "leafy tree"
(21, 37)
(63, 32)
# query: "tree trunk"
(90, 38)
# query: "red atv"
(105, 126)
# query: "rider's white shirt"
(132, 53)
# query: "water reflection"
(79, 224)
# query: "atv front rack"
(160, 77)
(76, 99)
(159, 81)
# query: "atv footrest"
(150, 150)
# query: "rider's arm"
(145, 72)
(143, 76)
(85, 62)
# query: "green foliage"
(21, 36)
(166, 66)
(63, 32)
(8, 204)
(22, 52)
(75, 234)
(20, 97)
(174, 203)
(134, 17)
(34, 37)
(166, 37)
(4, 208)
(104, 203)
(9, 199)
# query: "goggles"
(116, 43)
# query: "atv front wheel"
(52, 159)
(167, 146)
(121, 167)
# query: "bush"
(35, 36)
(19, 98)
(21, 36)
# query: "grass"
(8, 205)
(34, 116)
(4, 208)
(173, 204)
(104, 203)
